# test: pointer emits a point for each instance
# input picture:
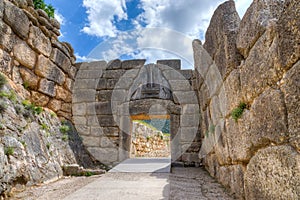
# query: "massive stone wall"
(32, 56)
(106, 95)
(257, 156)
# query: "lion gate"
(107, 96)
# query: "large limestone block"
(273, 173)
(16, 19)
(45, 68)
(269, 119)
(5, 62)
(288, 29)
(39, 41)
(232, 177)
(47, 87)
(29, 78)
(104, 155)
(202, 60)
(260, 69)
(25, 55)
(63, 61)
(7, 38)
(291, 90)
(258, 17)
(220, 38)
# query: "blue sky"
(127, 29)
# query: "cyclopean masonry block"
(33, 57)
(257, 155)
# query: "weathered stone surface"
(69, 84)
(230, 93)
(85, 84)
(90, 141)
(37, 157)
(114, 64)
(63, 94)
(175, 64)
(130, 64)
(233, 177)
(79, 120)
(25, 55)
(180, 85)
(58, 57)
(273, 173)
(220, 38)
(39, 99)
(213, 80)
(268, 114)
(54, 105)
(7, 38)
(46, 69)
(114, 74)
(88, 74)
(107, 142)
(37, 40)
(66, 107)
(103, 108)
(104, 95)
(106, 121)
(1, 9)
(201, 58)
(288, 29)
(262, 59)
(17, 20)
(79, 109)
(29, 78)
(291, 90)
(55, 23)
(81, 95)
(47, 87)
(96, 131)
(255, 21)
(5, 62)
(104, 155)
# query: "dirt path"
(181, 184)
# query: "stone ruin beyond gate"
(107, 95)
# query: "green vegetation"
(238, 112)
(64, 129)
(88, 174)
(48, 145)
(52, 114)
(48, 8)
(11, 95)
(65, 137)
(30, 106)
(3, 80)
(45, 127)
(23, 143)
(9, 151)
(26, 85)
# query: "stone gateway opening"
(127, 91)
(150, 136)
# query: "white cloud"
(188, 17)
(101, 14)
(59, 17)
(170, 28)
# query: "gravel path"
(181, 184)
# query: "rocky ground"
(183, 183)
